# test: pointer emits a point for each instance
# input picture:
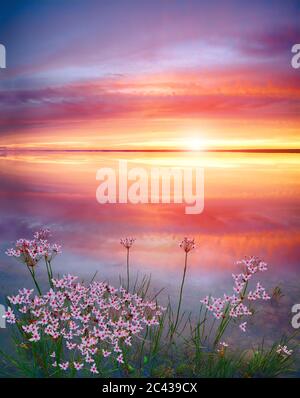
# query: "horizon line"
(159, 150)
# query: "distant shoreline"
(262, 150)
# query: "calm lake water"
(251, 208)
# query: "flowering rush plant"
(80, 326)
(31, 252)
(236, 305)
(84, 324)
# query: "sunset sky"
(149, 74)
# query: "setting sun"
(195, 144)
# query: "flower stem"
(128, 270)
(32, 273)
(180, 297)
(225, 322)
(49, 272)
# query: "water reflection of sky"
(251, 208)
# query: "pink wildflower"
(64, 366)
(243, 326)
(94, 369)
(284, 351)
(127, 242)
(187, 244)
(42, 234)
(106, 353)
(78, 366)
(223, 344)
(30, 252)
(9, 316)
(120, 358)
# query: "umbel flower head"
(42, 234)
(237, 304)
(187, 244)
(127, 242)
(30, 252)
(284, 351)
